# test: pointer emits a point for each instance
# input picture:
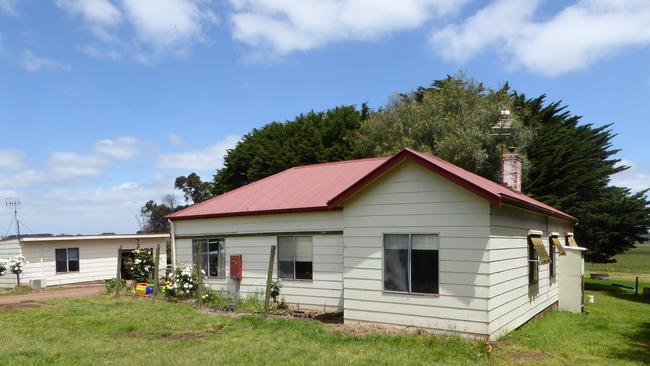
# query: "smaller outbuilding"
(60, 260)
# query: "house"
(409, 240)
(59, 260)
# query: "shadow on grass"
(618, 292)
(640, 342)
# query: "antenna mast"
(14, 204)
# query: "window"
(295, 257)
(551, 254)
(533, 264)
(67, 260)
(536, 255)
(554, 245)
(570, 240)
(214, 256)
(411, 263)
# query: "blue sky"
(104, 102)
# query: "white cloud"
(32, 62)
(209, 158)
(20, 179)
(12, 159)
(144, 29)
(123, 148)
(282, 27)
(637, 177)
(70, 165)
(101, 52)
(176, 139)
(96, 12)
(168, 23)
(86, 210)
(490, 26)
(574, 38)
(8, 7)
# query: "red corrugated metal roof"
(303, 188)
(325, 186)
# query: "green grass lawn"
(632, 263)
(100, 330)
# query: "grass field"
(100, 330)
(635, 262)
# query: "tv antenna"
(14, 205)
(504, 123)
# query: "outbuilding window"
(213, 256)
(411, 263)
(295, 257)
(570, 240)
(536, 255)
(67, 260)
(554, 245)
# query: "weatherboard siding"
(252, 237)
(97, 259)
(8, 249)
(410, 199)
(261, 224)
(512, 301)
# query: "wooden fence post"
(118, 277)
(199, 265)
(156, 272)
(269, 279)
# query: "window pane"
(424, 270)
(61, 260)
(424, 242)
(396, 262)
(73, 259)
(286, 251)
(73, 254)
(304, 270)
(213, 258)
(304, 249)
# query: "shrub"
(141, 270)
(216, 299)
(3, 266)
(276, 286)
(16, 266)
(181, 283)
(253, 303)
(111, 285)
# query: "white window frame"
(223, 243)
(67, 260)
(409, 292)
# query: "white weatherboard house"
(409, 240)
(60, 260)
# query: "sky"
(104, 102)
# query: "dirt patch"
(20, 305)
(361, 330)
(529, 356)
(188, 336)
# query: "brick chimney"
(511, 170)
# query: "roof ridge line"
(339, 162)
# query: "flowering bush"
(141, 269)
(16, 265)
(3, 266)
(182, 283)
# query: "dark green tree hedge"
(310, 138)
(570, 165)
